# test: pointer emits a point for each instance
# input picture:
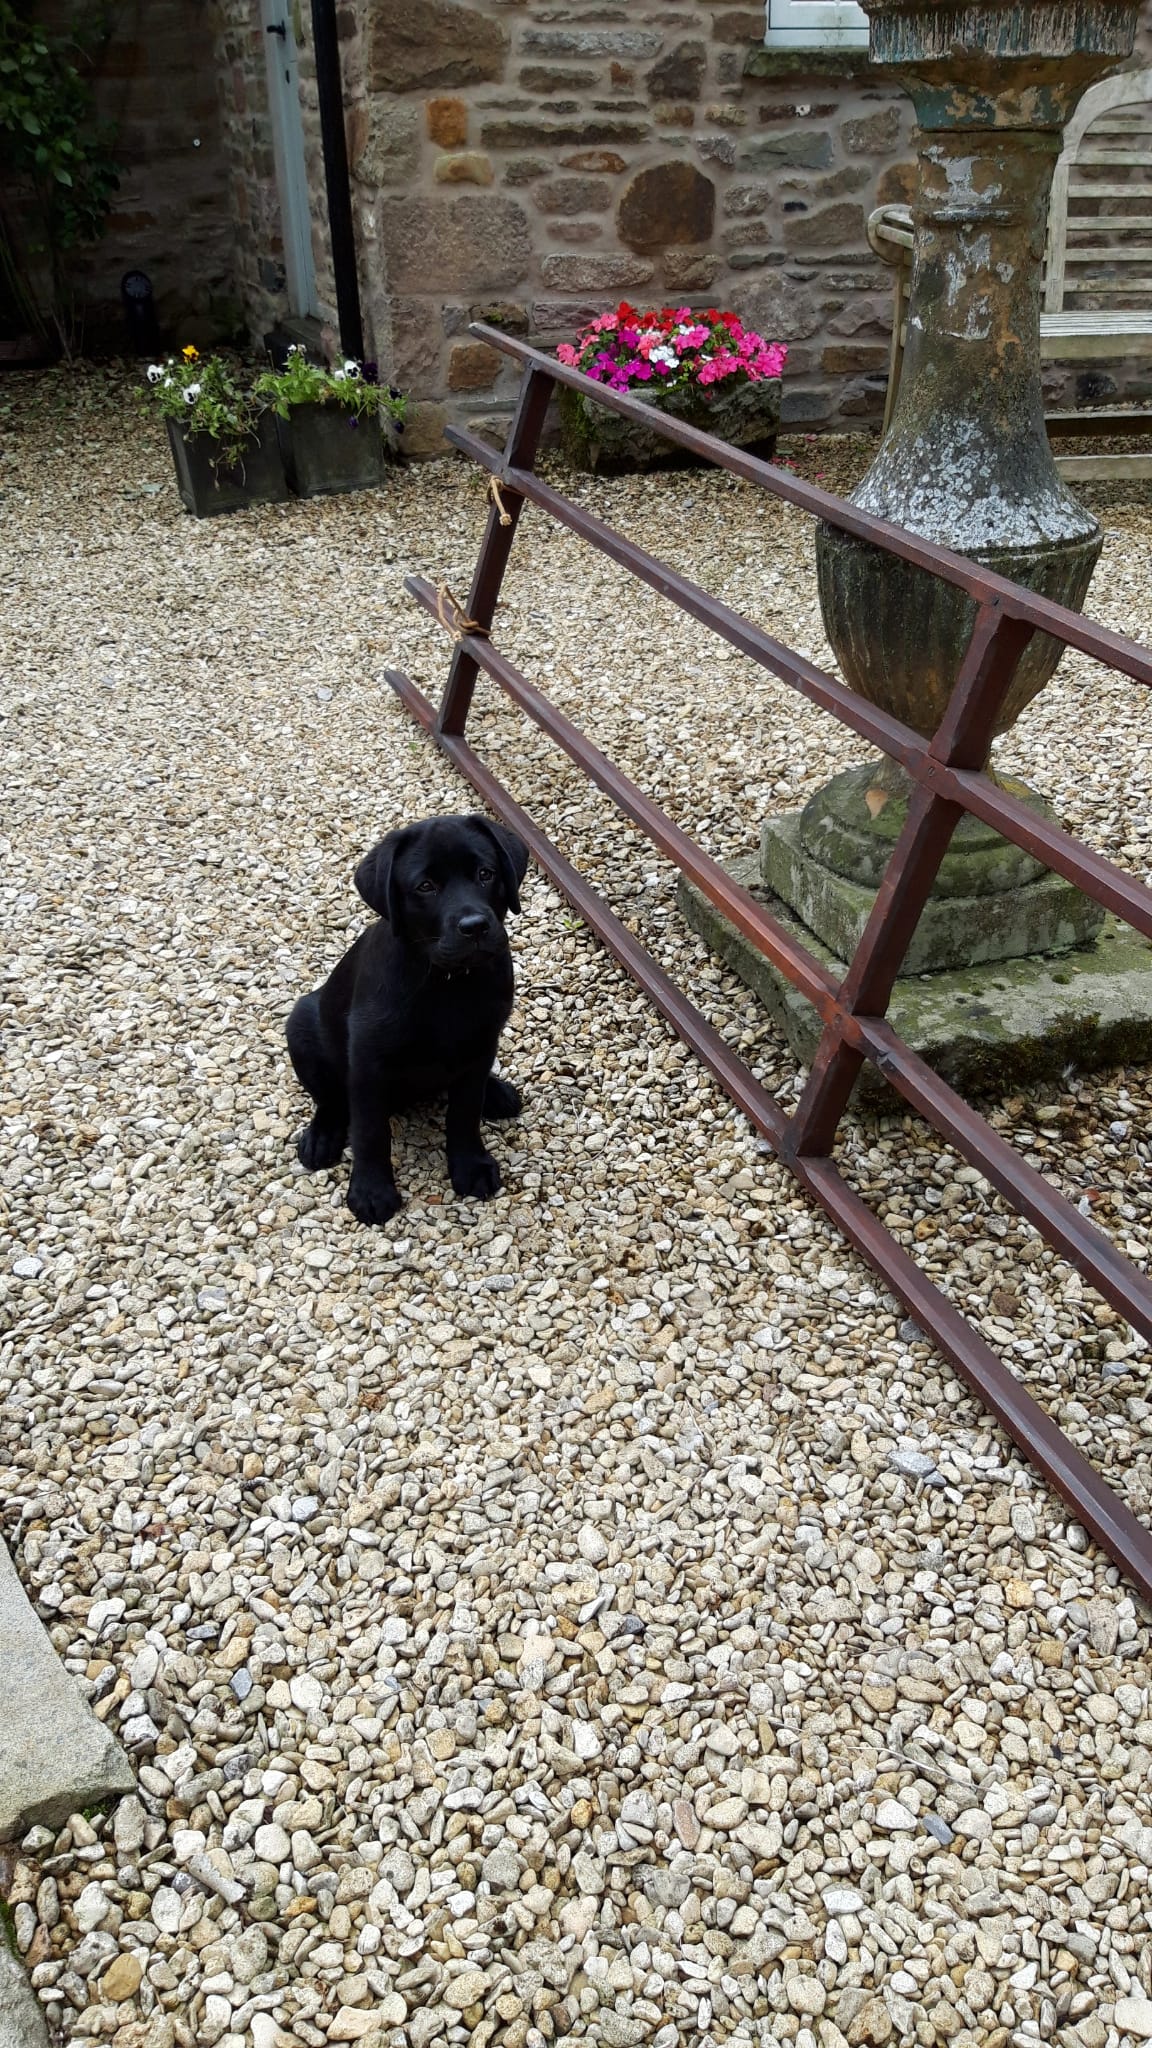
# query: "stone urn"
(966, 460)
(1011, 973)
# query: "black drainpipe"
(330, 93)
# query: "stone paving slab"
(985, 1029)
(55, 1757)
(21, 2020)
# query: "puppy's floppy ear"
(511, 855)
(375, 877)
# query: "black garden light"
(140, 313)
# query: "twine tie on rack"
(457, 623)
(496, 496)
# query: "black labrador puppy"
(415, 1009)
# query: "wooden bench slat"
(1113, 156)
(1089, 255)
(1102, 254)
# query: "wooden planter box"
(204, 490)
(746, 416)
(326, 449)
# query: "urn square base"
(1043, 915)
(985, 1029)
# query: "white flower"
(192, 393)
(339, 376)
(351, 369)
(155, 372)
(664, 355)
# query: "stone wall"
(156, 84)
(237, 55)
(531, 162)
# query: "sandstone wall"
(236, 53)
(531, 162)
(156, 83)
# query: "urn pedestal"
(1012, 972)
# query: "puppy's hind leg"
(322, 1142)
(501, 1100)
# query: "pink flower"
(566, 354)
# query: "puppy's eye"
(426, 888)
(485, 874)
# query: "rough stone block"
(524, 170)
(473, 366)
(866, 316)
(439, 42)
(604, 160)
(796, 110)
(719, 149)
(384, 143)
(669, 204)
(844, 359)
(447, 121)
(727, 115)
(985, 1030)
(828, 228)
(592, 42)
(545, 79)
(778, 308)
(742, 201)
(849, 178)
(688, 270)
(739, 25)
(540, 134)
(21, 2014)
(874, 134)
(605, 273)
(806, 149)
(679, 73)
(572, 195)
(503, 313)
(667, 115)
(472, 243)
(577, 232)
(424, 432)
(464, 167)
(416, 343)
(56, 1758)
(749, 234)
(562, 319)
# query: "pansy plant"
(350, 385)
(203, 395)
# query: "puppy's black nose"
(476, 922)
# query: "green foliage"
(204, 395)
(303, 382)
(56, 162)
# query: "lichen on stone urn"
(966, 461)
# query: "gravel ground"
(598, 1613)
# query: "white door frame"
(276, 19)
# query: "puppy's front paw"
(320, 1145)
(501, 1099)
(475, 1176)
(373, 1200)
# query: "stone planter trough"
(746, 416)
(205, 490)
(328, 449)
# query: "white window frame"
(815, 24)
